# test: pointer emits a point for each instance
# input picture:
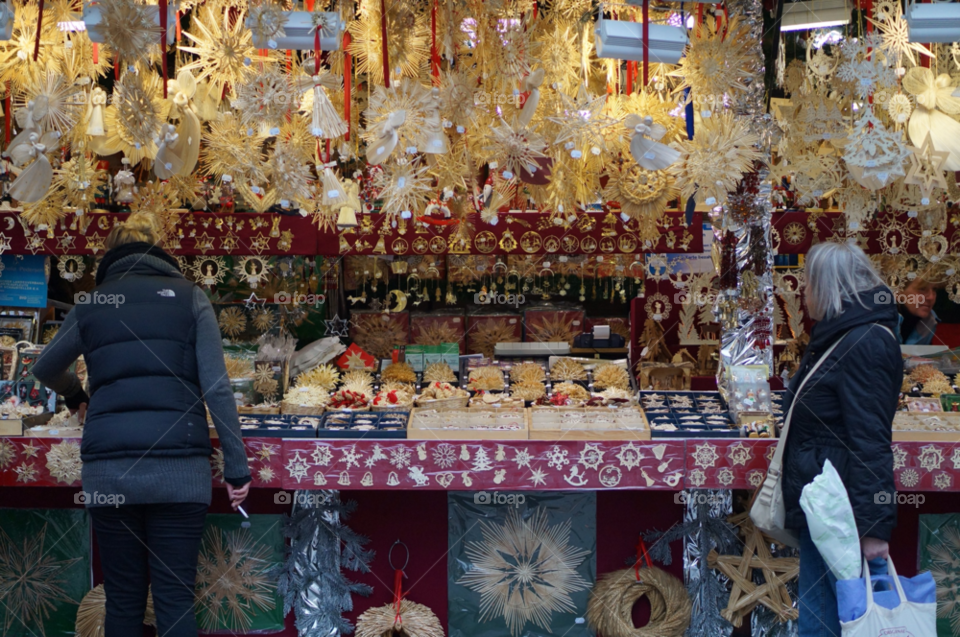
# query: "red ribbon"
(96, 53)
(7, 106)
(434, 54)
(641, 555)
(438, 222)
(163, 44)
(36, 44)
(179, 32)
(646, 40)
(316, 50)
(383, 43)
(397, 582)
(347, 76)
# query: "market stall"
(495, 280)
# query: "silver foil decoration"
(742, 227)
(323, 551)
(706, 528)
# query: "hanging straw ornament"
(290, 173)
(399, 111)
(181, 92)
(531, 84)
(28, 119)
(98, 99)
(717, 62)
(407, 41)
(267, 20)
(223, 46)
(138, 111)
(347, 215)
(514, 148)
(168, 162)
(458, 98)
(59, 100)
(35, 180)
(129, 28)
(228, 149)
(874, 155)
(436, 142)
(404, 188)
(265, 100)
(935, 106)
(325, 121)
(715, 160)
(333, 193)
(645, 144)
(18, 64)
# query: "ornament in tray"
(356, 358)
(346, 399)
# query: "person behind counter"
(918, 321)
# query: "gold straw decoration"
(376, 336)
(572, 391)
(266, 99)
(228, 150)
(716, 158)
(611, 376)
(437, 333)
(568, 369)
(399, 373)
(553, 329)
(232, 322)
(717, 62)
(359, 382)
(408, 45)
(325, 376)
(93, 612)
(528, 391)
(223, 46)
(238, 367)
(138, 111)
(527, 373)
(485, 338)
(413, 620)
(438, 372)
(486, 378)
(129, 28)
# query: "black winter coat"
(845, 413)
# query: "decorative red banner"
(516, 233)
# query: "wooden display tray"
(907, 420)
(425, 424)
(594, 423)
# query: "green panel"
(44, 570)
(940, 554)
(240, 564)
(520, 564)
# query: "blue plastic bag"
(852, 593)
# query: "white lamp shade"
(299, 33)
(622, 40)
(814, 14)
(936, 22)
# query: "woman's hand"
(873, 548)
(237, 494)
(80, 412)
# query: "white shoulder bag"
(768, 511)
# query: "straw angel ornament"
(382, 147)
(645, 144)
(168, 162)
(34, 181)
(98, 99)
(325, 122)
(935, 105)
(182, 92)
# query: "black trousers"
(156, 544)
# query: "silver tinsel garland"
(312, 582)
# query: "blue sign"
(23, 282)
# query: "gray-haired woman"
(844, 414)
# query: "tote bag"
(906, 619)
(769, 513)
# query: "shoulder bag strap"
(777, 460)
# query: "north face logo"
(166, 293)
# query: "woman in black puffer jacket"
(844, 414)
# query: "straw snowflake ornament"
(408, 44)
(129, 28)
(232, 322)
(58, 103)
(266, 99)
(409, 98)
(716, 158)
(17, 66)
(290, 173)
(228, 149)
(223, 47)
(514, 148)
(404, 189)
(486, 336)
(266, 21)
(641, 193)
(437, 333)
(138, 111)
(717, 62)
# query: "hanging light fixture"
(814, 14)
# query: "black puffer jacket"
(845, 413)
